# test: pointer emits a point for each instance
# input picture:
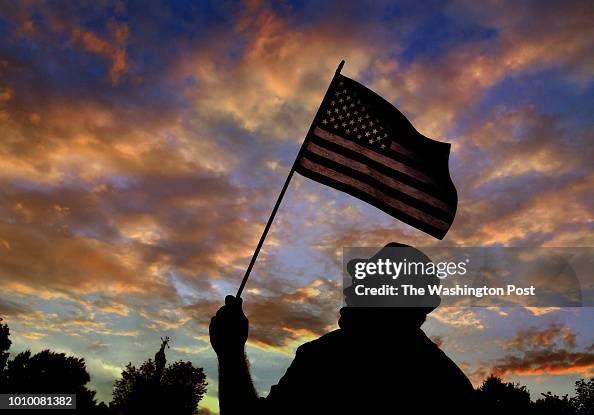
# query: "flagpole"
(281, 195)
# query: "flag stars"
(348, 114)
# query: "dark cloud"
(98, 346)
(541, 351)
(546, 362)
(11, 308)
(280, 313)
(534, 338)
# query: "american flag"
(361, 144)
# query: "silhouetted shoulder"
(454, 372)
(394, 366)
(328, 340)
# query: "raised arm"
(228, 333)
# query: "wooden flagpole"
(281, 195)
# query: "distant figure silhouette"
(160, 359)
(378, 362)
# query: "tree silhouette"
(45, 372)
(156, 388)
(4, 346)
(583, 402)
(551, 404)
(498, 397)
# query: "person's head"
(402, 265)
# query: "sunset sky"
(143, 144)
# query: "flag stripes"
(380, 158)
(433, 225)
(372, 173)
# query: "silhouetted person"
(379, 361)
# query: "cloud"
(275, 84)
(32, 335)
(281, 314)
(41, 21)
(114, 49)
(512, 150)
(458, 317)
(533, 337)
(546, 362)
(113, 240)
(11, 308)
(542, 351)
(539, 311)
(437, 90)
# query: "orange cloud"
(273, 89)
(114, 49)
